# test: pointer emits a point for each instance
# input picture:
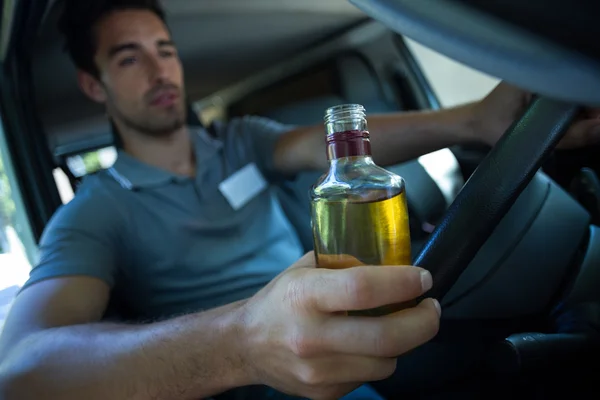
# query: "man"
(152, 286)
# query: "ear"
(91, 87)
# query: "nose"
(157, 71)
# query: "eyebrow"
(165, 42)
(122, 47)
(134, 46)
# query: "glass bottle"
(359, 212)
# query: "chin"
(154, 124)
(163, 130)
(165, 125)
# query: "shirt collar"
(134, 174)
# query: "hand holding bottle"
(359, 210)
(296, 341)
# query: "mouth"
(165, 98)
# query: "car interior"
(515, 252)
(347, 58)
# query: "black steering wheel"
(518, 42)
(492, 190)
(515, 41)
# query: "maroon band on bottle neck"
(348, 144)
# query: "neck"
(352, 143)
(173, 152)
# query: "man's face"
(141, 78)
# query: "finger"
(363, 288)
(581, 133)
(332, 370)
(388, 336)
(593, 113)
(514, 93)
(332, 392)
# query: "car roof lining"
(242, 62)
(81, 134)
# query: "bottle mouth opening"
(345, 113)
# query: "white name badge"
(243, 186)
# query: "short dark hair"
(79, 19)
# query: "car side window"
(453, 83)
(80, 165)
(18, 249)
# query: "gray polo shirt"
(169, 244)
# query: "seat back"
(293, 195)
(358, 84)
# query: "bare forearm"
(395, 138)
(186, 358)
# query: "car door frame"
(26, 143)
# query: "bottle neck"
(350, 143)
(347, 132)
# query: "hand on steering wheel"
(493, 115)
(497, 183)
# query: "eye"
(127, 61)
(167, 53)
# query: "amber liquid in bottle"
(359, 212)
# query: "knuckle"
(295, 294)
(310, 376)
(385, 343)
(302, 345)
(359, 289)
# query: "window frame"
(22, 225)
(26, 143)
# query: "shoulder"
(94, 205)
(84, 236)
(250, 124)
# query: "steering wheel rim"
(492, 190)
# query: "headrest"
(103, 133)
